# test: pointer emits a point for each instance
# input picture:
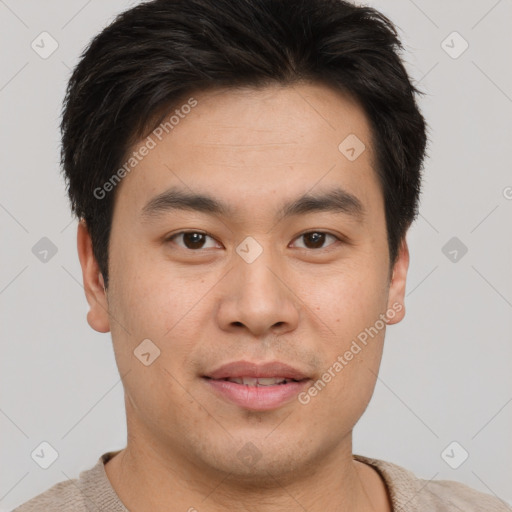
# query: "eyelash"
(175, 235)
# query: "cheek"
(351, 353)
(151, 303)
(346, 299)
(349, 307)
(152, 295)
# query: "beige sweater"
(92, 491)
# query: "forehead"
(250, 145)
(275, 121)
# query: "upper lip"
(240, 369)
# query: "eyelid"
(187, 231)
(338, 238)
(310, 231)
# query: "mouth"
(256, 387)
(259, 381)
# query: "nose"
(258, 297)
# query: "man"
(245, 173)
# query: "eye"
(192, 240)
(195, 240)
(315, 239)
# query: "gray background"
(446, 369)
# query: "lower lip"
(257, 398)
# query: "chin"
(259, 461)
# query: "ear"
(96, 295)
(396, 295)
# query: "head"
(249, 105)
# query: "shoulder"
(459, 495)
(62, 496)
(408, 492)
(91, 491)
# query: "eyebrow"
(336, 200)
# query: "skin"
(253, 149)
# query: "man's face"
(252, 285)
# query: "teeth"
(258, 381)
(270, 381)
(234, 379)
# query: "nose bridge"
(257, 296)
(257, 268)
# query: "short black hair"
(152, 56)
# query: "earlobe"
(94, 285)
(396, 295)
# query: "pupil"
(318, 239)
(192, 239)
